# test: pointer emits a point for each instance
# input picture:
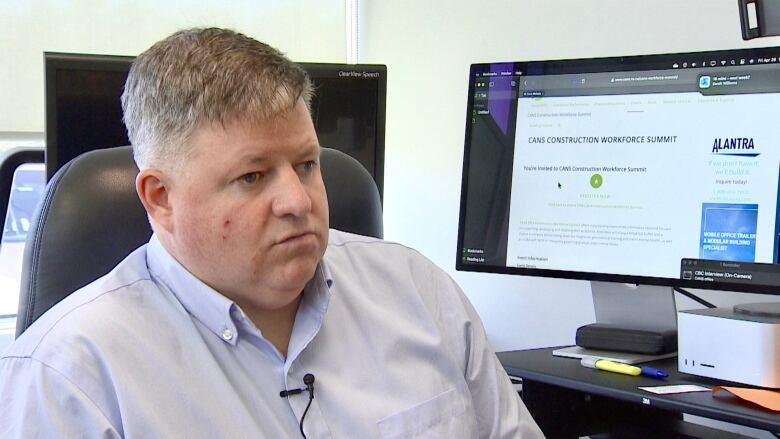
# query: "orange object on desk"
(769, 399)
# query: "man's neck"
(276, 325)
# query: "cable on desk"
(695, 298)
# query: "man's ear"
(153, 189)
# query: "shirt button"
(227, 334)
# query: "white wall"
(307, 30)
(428, 47)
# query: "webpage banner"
(631, 184)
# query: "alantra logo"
(740, 146)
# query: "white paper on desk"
(677, 388)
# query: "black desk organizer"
(613, 338)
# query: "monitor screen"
(83, 110)
(641, 169)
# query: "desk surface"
(540, 365)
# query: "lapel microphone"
(308, 380)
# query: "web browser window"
(671, 165)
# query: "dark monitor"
(348, 110)
(83, 110)
(630, 170)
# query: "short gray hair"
(200, 76)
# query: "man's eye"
(251, 178)
(308, 167)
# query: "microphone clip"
(308, 380)
(286, 393)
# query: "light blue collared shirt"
(150, 351)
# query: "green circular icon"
(596, 180)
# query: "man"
(243, 291)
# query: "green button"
(596, 180)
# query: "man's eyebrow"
(254, 159)
(243, 162)
(310, 150)
(313, 149)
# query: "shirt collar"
(216, 311)
(205, 304)
(311, 312)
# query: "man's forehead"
(253, 134)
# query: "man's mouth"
(295, 237)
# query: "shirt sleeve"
(36, 401)
(500, 411)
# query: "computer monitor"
(83, 110)
(658, 170)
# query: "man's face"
(249, 209)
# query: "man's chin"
(299, 271)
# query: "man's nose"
(291, 195)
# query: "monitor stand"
(647, 307)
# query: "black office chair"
(90, 218)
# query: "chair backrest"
(90, 218)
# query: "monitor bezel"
(595, 65)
